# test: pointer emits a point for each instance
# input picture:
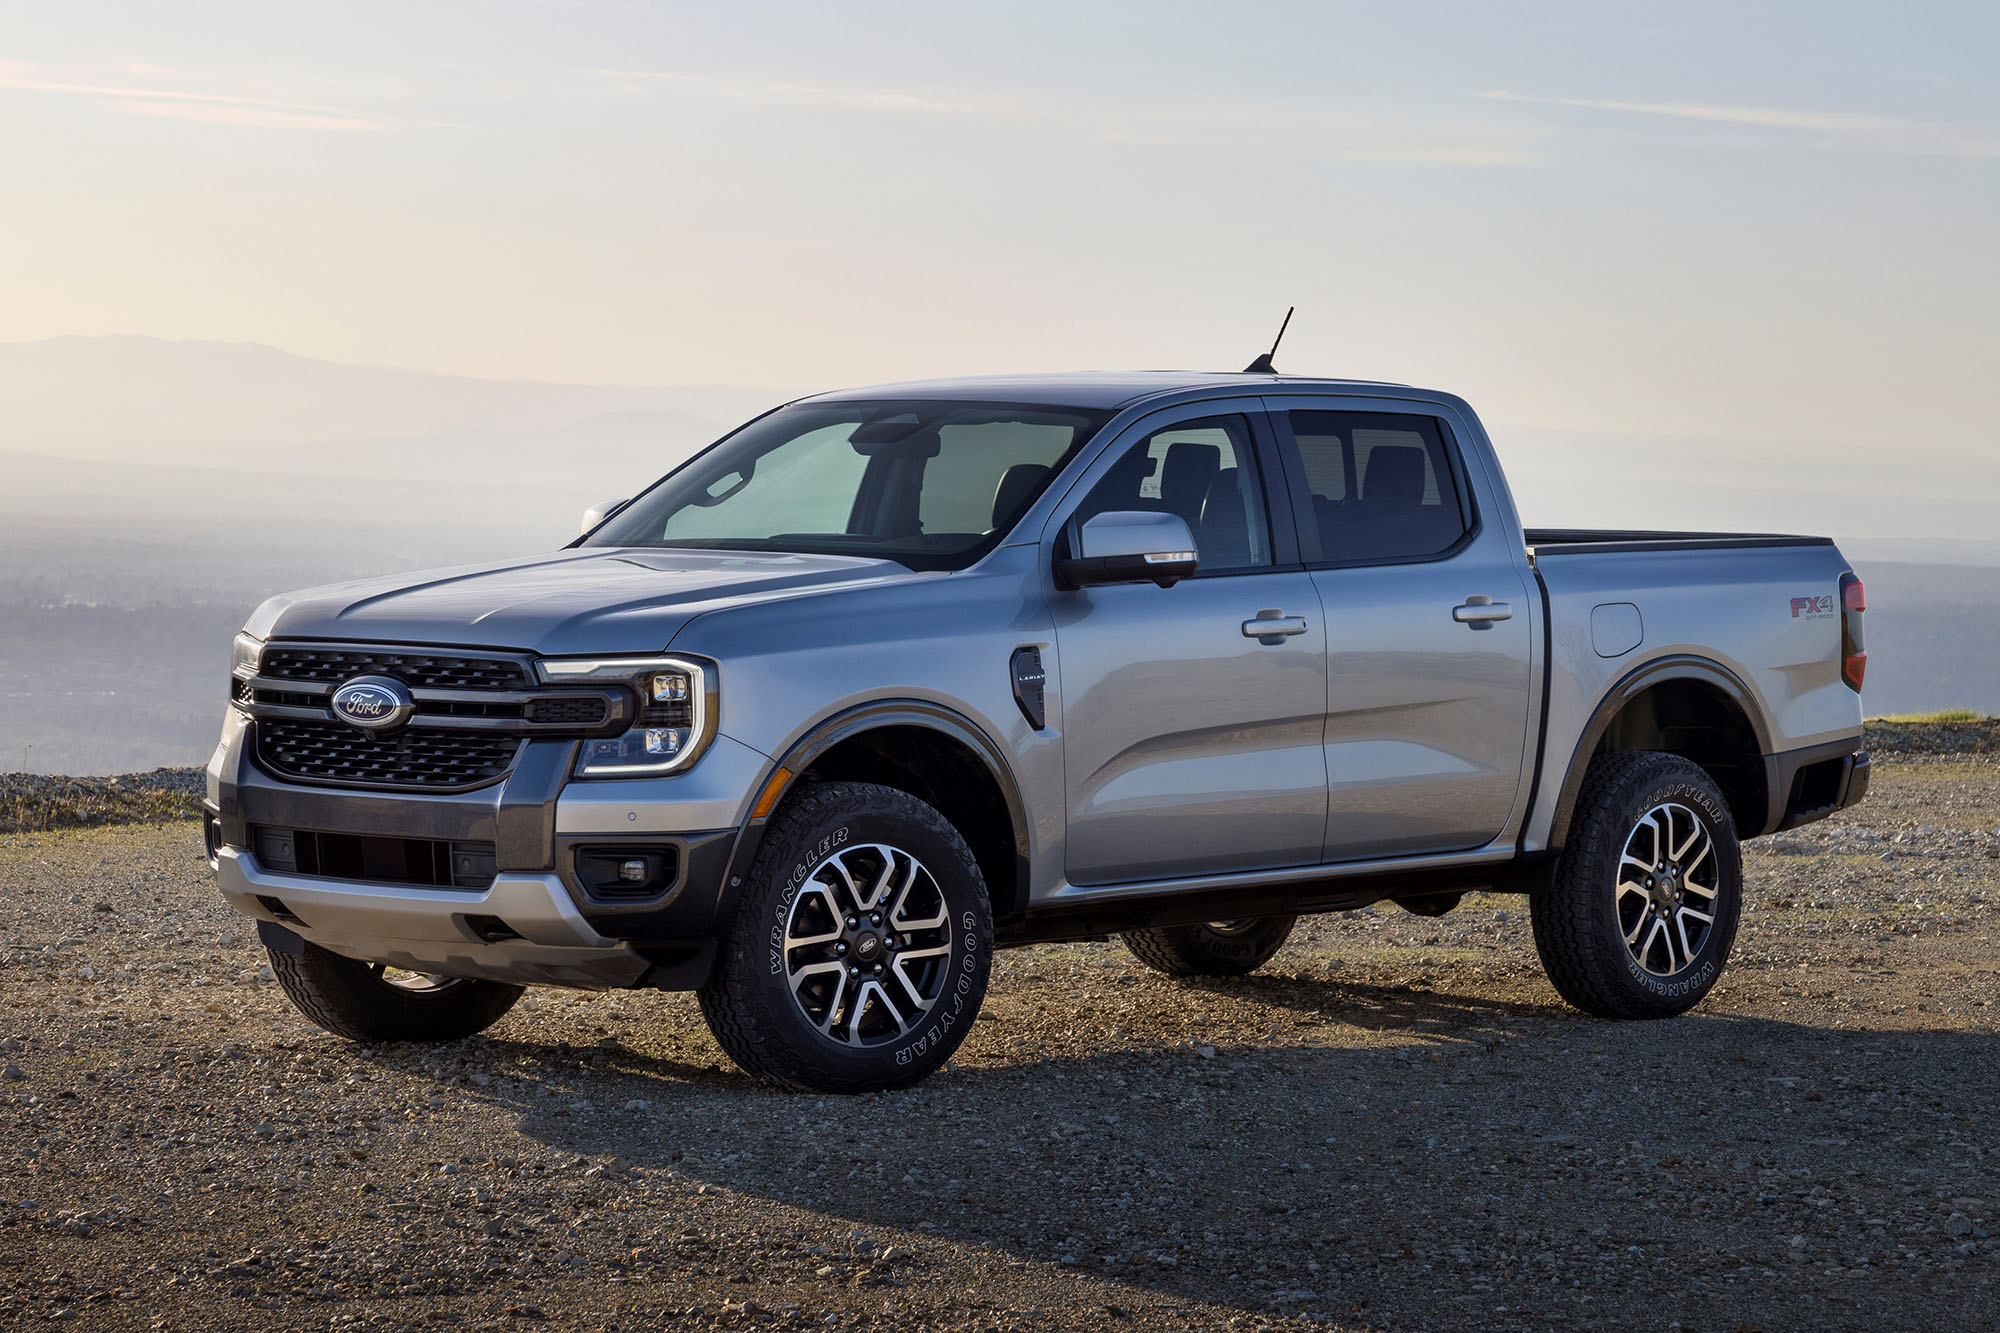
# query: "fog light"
(632, 872)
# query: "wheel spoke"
(1646, 949)
(880, 890)
(1681, 930)
(797, 941)
(838, 865)
(1703, 917)
(1694, 834)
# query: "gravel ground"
(1396, 1126)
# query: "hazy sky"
(1746, 221)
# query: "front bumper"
(438, 930)
(536, 922)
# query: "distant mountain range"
(243, 406)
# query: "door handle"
(1271, 625)
(1481, 611)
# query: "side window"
(1382, 485)
(1205, 471)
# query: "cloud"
(215, 108)
(1271, 127)
(1855, 130)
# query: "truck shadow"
(1389, 1138)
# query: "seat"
(1222, 539)
(1394, 476)
(1017, 487)
(1186, 473)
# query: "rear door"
(1429, 638)
(1191, 743)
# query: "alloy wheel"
(867, 943)
(1667, 882)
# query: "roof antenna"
(1262, 365)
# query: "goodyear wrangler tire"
(1211, 948)
(1644, 905)
(862, 946)
(371, 1002)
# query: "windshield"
(932, 485)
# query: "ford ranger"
(887, 679)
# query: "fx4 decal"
(1812, 608)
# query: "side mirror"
(1129, 547)
(600, 511)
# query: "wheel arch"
(1687, 705)
(936, 754)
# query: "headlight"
(243, 657)
(676, 713)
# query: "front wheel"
(372, 1002)
(1210, 948)
(860, 954)
(1643, 909)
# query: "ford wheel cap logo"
(373, 703)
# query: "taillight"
(1853, 656)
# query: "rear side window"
(1382, 485)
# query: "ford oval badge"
(373, 703)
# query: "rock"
(12, 1072)
(266, 1130)
(1958, 1225)
(11, 1044)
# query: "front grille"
(352, 856)
(424, 671)
(436, 758)
(582, 711)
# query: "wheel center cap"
(867, 947)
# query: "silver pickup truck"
(889, 678)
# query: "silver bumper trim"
(425, 929)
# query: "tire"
(1210, 948)
(368, 1002)
(814, 989)
(1616, 935)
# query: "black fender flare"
(873, 716)
(1676, 666)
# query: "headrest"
(1010, 497)
(1395, 475)
(1185, 475)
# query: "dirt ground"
(1396, 1126)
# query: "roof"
(1103, 389)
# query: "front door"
(1192, 744)
(1429, 631)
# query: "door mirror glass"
(600, 511)
(1129, 546)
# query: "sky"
(1754, 222)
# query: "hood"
(597, 600)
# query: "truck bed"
(1602, 541)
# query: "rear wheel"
(1643, 909)
(860, 955)
(1210, 948)
(373, 1002)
